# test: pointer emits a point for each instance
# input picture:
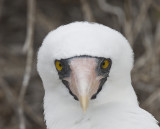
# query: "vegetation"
(24, 24)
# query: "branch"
(151, 99)
(28, 47)
(1, 8)
(45, 21)
(156, 5)
(12, 101)
(127, 27)
(30, 25)
(141, 61)
(124, 18)
(139, 21)
(32, 116)
(86, 9)
(156, 52)
(112, 9)
(149, 61)
(9, 95)
(157, 39)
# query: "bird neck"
(62, 111)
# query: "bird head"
(86, 62)
(84, 76)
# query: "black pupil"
(103, 63)
(60, 64)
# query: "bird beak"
(83, 80)
(84, 102)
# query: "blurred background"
(24, 24)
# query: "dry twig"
(30, 25)
(1, 7)
(148, 63)
(139, 21)
(147, 43)
(86, 9)
(127, 27)
(45, 21)
(156, 52)
(28, 47)
(9, 95)
(156, 5)
(12, 101)
(151, 99)
(157, 39)
(113, 10)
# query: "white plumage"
(116, 105)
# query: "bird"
(85, 69)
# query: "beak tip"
(84, 109)
(84, 103)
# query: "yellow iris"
(59, 65)
(105, 64)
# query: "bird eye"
(59, 66)
(105, 64)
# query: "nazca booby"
(87, 65)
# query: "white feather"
(116, 106)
